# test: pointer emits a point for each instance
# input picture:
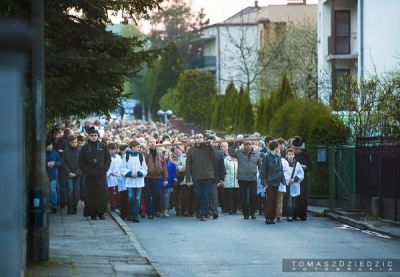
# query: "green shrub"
(309, 119)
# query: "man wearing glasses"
(200, 166)
(94, 161)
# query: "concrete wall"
(381, 35)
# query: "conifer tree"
(217, 116)
(228, 111)
(244, 111)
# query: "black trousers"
(248, 195)
(301, 204)
(231, 199)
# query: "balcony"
(341, 48)
(204, 62)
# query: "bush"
(168, 101)
(309, 119)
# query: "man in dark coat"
(94, 161)
(200, 165)
(219, 174)
(302, 156)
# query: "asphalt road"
(232, 246)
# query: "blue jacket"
(171, 167)
(52, 172)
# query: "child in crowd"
(123, 192)
(113, 174)
(294, 174)
(171, 168)
(134, 168)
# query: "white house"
(358, 37)
(230, 49)
(223, 44)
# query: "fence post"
(331, 162)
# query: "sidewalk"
(84, 247)
(380, 226)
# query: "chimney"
(256, 4)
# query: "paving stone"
(82, 247)
(137, 269)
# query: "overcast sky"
(219, 10)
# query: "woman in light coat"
(231, 184)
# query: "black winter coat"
(272, 170)
(94, 159)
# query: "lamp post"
(165, 114)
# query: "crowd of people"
(140, 169)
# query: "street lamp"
(165, 114)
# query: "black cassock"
(95, 160)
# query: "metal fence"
(378, 174)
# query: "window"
(342, 32)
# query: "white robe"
(133, 165)
(114, 172)
(299, 172)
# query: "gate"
(342, 178)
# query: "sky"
(219, 10)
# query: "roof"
(247, 15)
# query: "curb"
(357, 224)
(137, 245)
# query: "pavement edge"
(353, 223)
(132, 237)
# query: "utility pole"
(38, 231)
(15, 42)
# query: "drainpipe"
(333, 49)
(361, 39)
(219, 57)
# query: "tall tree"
(293, 51)
(162, 76)
(194, 92)
(86, 65)
(217, 115)
(229, 109)
(177, 23)
(245, 117)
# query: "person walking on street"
(248, 163)
(200, 165)
(294, 175)
(134, 168)
(53, 162)
(219, 176)
(302, 157)
(70, 167)
(231, 185)
(157, 172)
(272, 176)
(94, 161)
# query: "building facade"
(356, 37)
(231, 48)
